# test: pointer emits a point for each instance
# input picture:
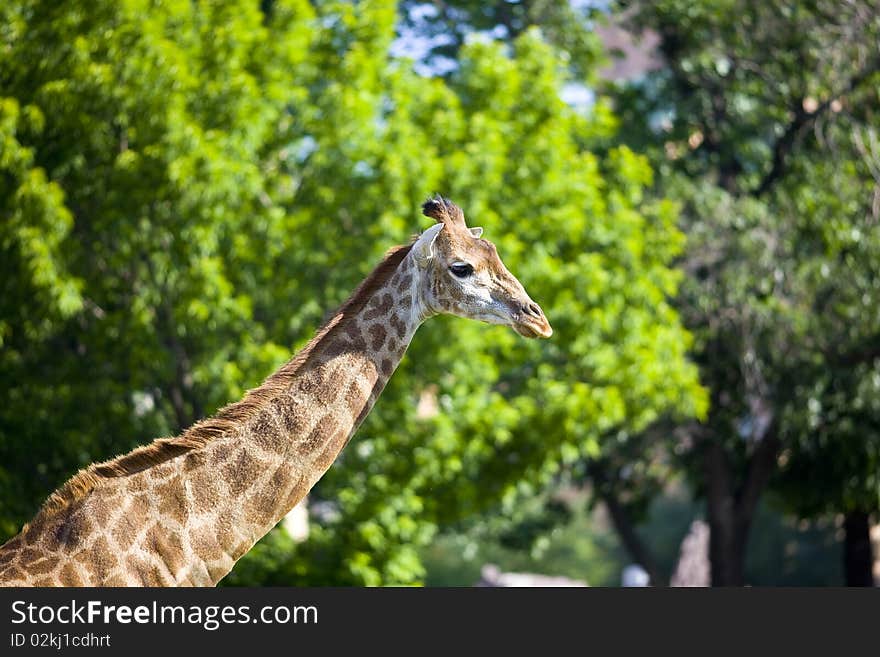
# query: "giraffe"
(181, 511)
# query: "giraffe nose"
(532, 309)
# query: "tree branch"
(801, 122)
(761, 466)
(181, 386)
(870, 351)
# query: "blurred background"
(691, 190)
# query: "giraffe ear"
(423, 249)
(476, 232)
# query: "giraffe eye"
(461, 269)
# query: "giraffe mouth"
(527, 318)
(529, 326)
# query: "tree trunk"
(725, 543)
(731, 508)
(858, 562)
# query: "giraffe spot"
(404, 303)
(147, 573)
(140, 505)
(398, 325)
(283, 475)
(7, 555)
(193, 460)
(73, 530)
(69, 576)
(205, 491)
(291, 414)
(44, 582)
(308, 381)
(336, 384)
(297, 493)
(379, 307)
(167, 545)
(172, 500)
(241, 472)
(334, 347)
(98, 560)
(12, 573)
(355, 397)
(352, 329)
(116, 580)
(266, 433)
(324, 430)
(405, 281)
(51, 538)
(220, 453)
(269, 504)
(325, 370)
(260, 509)
(387, 367)
(100, 512)
(266, 506)
(124, 533)
(29, 554)
(377, 335)
(355, 336)
(130, 522)
(109, 496)
(204, 543)
(43, 565)
(368, 371)
(138, 483)
(332, 446)
(392, 346)
(227, 537)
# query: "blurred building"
(632, 55)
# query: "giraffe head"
(462, 275)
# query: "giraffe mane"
(228, 418)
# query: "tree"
(767, 116)
(139, 151)
(498, 124)
(230, 174)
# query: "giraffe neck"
(187, 520)
(290, 446)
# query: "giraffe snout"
(532, 323)
(532, 309)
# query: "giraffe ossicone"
(181, 511)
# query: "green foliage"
(763, 126)
(445, 27)
(137, 153)
(584, 548)
(214, 180)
